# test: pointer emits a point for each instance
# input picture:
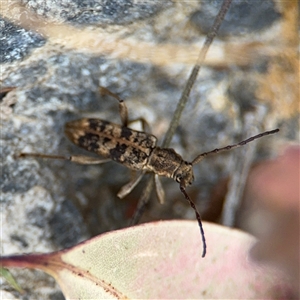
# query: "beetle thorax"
(166, 162)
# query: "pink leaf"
(158, 260)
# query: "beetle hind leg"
(80, 159)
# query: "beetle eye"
(178, 177)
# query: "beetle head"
(184, 174)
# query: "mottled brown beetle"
(138, 150)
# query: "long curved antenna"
(187, 89)
(230, 147)
(192, 204)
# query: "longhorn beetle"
(138, 150)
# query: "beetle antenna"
(192, 204)
(230, 147)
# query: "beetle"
(136, 150)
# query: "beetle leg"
(143, 201)
(145, 124)
(127, 188)
(159, 189)
(122, 106)
(5, 90)
(80, 159)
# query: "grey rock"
(97, 12)
(243, 16)
(16, 42)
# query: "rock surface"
(249, 86)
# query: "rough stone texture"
(48, 205)
(16, 42)
(242, 17)
(101, 12)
